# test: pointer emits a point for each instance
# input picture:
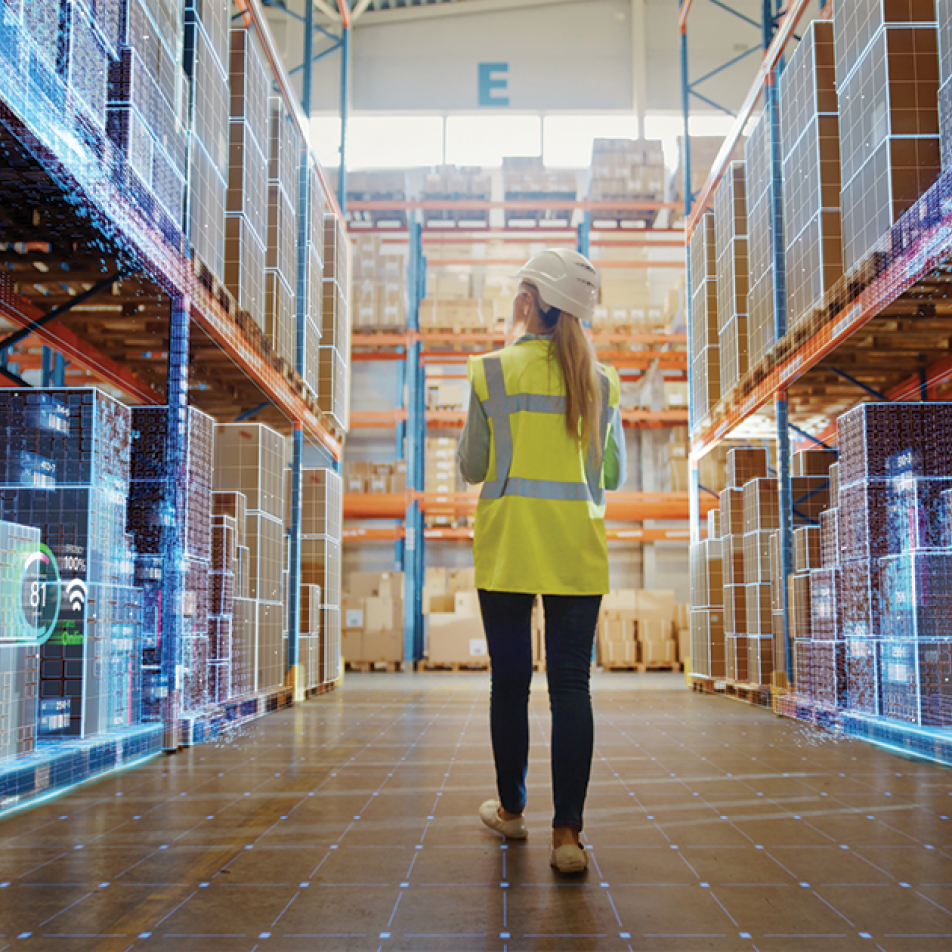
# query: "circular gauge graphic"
(39, 595)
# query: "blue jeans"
(570, 622)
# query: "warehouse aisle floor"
(350, 824)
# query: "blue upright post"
(785, 494)
(344, 113)
(295, 675)
(416, 435)
(172, 631)
(47, 367)
(585, 235)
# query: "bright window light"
(484, 140)
(568, 139)
(668, 129)
(325, 140)
(712, 125)
(394, 142)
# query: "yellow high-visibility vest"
(540, 525)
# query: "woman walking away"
(544, 435)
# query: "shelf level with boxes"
(851, 382)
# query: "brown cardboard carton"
(619, 653)
(623, 598)
(466, 603)
(378, 614)
(653, 652)
(456, 639)
(352, 644)
(383, 645)
(461, 580)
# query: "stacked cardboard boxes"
(457, 314)
(246, 219)
(764, 227)
(454, 626)
(637, 626)
(944, 20)
(335, 332)
(154, 484)
(810, 128)
(887, 76)
(525, 179)
(362, 477)
(147, 99)
(705, 343)
(312, 255)
(440, 477)
(626, 170)
(372, 610)
(379, 185)
(447, 182)
(380, 284)
(281, 262)
(322, 511)
(207, 65)
(704, 150)
(730, 242)
(250, 459)
(875, 636)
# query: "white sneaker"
(511, 829)
(569, 859)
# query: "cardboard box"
(461, 580)
(466, 603)
(382, 645)
(655, 651)
(351, 644)
(456, 639)
(619, 653)
(617, 626)
(378, 614)
(623, 598)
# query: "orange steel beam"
(795, 10)
(461, 534)
(522, 205)
(406, 338)
(518, 262)
(344, 7)
(621, 507)
(683, 14)
(525, 238)
(18, 310)
(376, 419)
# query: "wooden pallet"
(365, 667)
(643, 666)
(453, 665)
(758, 695)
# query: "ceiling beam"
(467, 8)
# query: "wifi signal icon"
(76, 594)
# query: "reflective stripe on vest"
(499, 407)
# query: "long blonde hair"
(576, 357)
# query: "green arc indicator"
(38, 597)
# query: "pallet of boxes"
(455, 639)
(638, 630)
(373, 621)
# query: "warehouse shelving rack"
(145, 287)
(838, 358)
(415, 349)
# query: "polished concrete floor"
(350, 824)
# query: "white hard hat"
(566, 280)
